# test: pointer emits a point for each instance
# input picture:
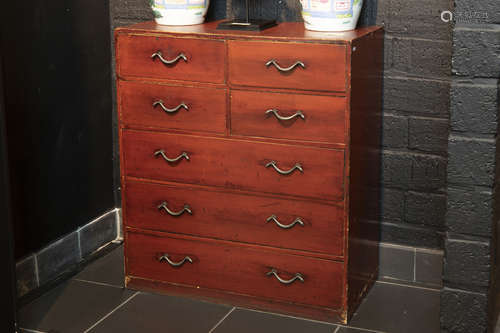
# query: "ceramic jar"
(179, 12)
(331, 15)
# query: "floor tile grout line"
(99, 283)
(30, 331)
(312, 320)
(110, 313)
(369, 330)
(409, 286)
(222, 319)
(288, 316)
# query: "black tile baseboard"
(411, 264)
(66, 253)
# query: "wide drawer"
(288, 65)
(191, 59)
(238, 268)
(238, 164)
(172, 107)
(288, 116)
(291, 224)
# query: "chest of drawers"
(250, 164)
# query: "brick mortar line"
(397, 152)
(477, 239)
(420, 117)
(441, 191)
(412, 226)
(476, 188)
(390, 35)
(478, 27)
(471, 81)
(417, 78)
(453, 135)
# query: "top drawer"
(171, 58)
(288, 65)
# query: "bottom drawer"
(243, 269)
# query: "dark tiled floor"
(95, 302)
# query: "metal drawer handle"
(297, 166)
(169, 62)
(173, 263)
(277, 115)
(161, 152)
(174, 110)
(186, 209)
(274, 62)
(297, 276)
(298, 220)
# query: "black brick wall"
(416, 120)
(467, 300)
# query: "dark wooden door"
(7, 323)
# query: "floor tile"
(108, 269)
(399, 309)
(71, 307)
(158, 313)
(247, 321)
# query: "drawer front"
(235, 164)
(288, 116)
(296, 224)
(324, 65)
(193, 59)
(241, 269)
(173, 107)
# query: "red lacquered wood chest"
(250, 164)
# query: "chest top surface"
(293, 31)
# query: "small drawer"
(288, 65)
(171, 58)
(270, 221)
(288, 116)
(238, 268)
(262, 167)
(172, 107)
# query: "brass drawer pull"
(298, 220)
(186, 209)
(166, 61)
(161, 153)
(297, 166)
(297, 276)
(274, 62)
(173, 263)
(278, 116)
(174, 110)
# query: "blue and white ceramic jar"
(179, 12)
(331, 15)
